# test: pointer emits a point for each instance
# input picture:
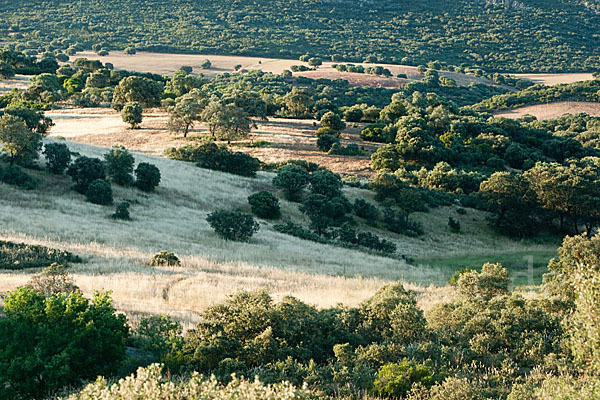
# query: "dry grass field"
(552, 110)
(287, 138)
(17, 82)
(173, 219)
(556, 79)
(167, 64)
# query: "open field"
(288, 138)
(557, 79)
(552, 110)
(167, 64)
(173, 219)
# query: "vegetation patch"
(17, 256)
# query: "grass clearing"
(552, 110)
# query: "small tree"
(315, 62)
(17, 140)
(6, 70)
(165, 258)
(130, 51)
(84, 171)
(325, 142)
(122, 211)
(58, 157)
(147, 177)
(52, 280)
(265, 205)
(206, 64)
(100, 192)
(233, 225)
(132, 114)
(119, 166)
(332, 121)
(292, 179)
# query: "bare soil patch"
(286, 138)
(552, 110)
(556, 79)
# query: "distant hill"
(500, 35)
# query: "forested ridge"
(531, 35)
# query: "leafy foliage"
(147, 177)
(265, 205)
(58, 157)
(100, 192)
(22, 256)
(233, 225)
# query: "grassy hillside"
(116, 253)
(530, 36)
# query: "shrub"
(326, 183)
(66, 340)
(54, 279)
(132, 114)
(165, 258)
(233, 225)
(366, 210)
(371, 241)
(353, 114)
(454, 225)
(147, 177)
(350, 150)
(119, 166)
(58, 157)
(324, 142)
(122, 211)
(374, 133)
(212, 156)
(396, 379)
(292, 179)
(265, 205)
(13, 175)
(206, 64)
(22, 256)
(327, 131)
(84, 171)
(99, 192)
(399, 222)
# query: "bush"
(122, 211)
(371, 241)
(132, 114)
(22, 256)
(233, 225)
(398, 222)
(99, 192)
(165, 258)
(212, 156)
(54, 279)
(292, 179)
(147, 177)
(119, 166)
(332, 121)
(13, 175)
(324, 142)
(326, 131)
(84, 171)
(396, 379)
(366, 210)
(66, 340)
(454, 225)
(58, 157)
(350, 150)
(265, 205)
(374, 133)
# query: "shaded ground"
(17, 82)
(552, 110)
(286, 138)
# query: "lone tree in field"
(132, 114)
(18, 141)
(206, 64)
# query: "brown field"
(556, 79)
(287, 138)
(167, 64)
(552, 110)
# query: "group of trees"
(487, 342)
(525, 37)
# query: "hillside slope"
(173, 219)
(527, 36)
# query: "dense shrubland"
(514, 36)
(486, 342)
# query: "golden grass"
(173, 219)
(552, 110)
